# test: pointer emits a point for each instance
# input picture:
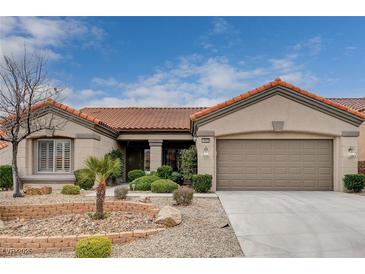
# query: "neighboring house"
(273, 137)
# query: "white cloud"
(220, 25)
(44, 34)
(197, 81)
(313, 44)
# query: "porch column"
(155, 154)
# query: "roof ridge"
(277, 82)
(143, 108)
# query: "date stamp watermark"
(15, 251)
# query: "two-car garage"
(274, 165)
(277, 137)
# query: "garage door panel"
(275, 164)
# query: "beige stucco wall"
(361, 141)
(300, 122)
(5, 155)
(91, 143)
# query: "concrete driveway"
(297, 223)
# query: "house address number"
(205, 140)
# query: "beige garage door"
(274, 165)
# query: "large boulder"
(169, 216)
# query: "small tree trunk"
(100, 198)
(16, 180)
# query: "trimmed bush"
(143, 183)
(6, 177)
(177, 178)
(120, 192)
(354, 182)
(152, 173)
(164, 172)
(94, 247)
(164, 186)
(117, 154)
(183, 195)
(134, 174)
(70, 190)
(84, 183)
(188, 159)
(202, 182)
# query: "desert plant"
(188, 159)
(94, 247)
(101, 170)
(117, 154)
(82, 182)
(354, 182)
(177, 178)
(70, 190)
(202, 182)
(6, 177)
(120, 192)
(164, 186)
(164, 172)
(134, 174)
(143, 183)
(183, 195)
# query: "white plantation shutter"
(54, 156)
(63, 151)
(45, 156)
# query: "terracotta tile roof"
(276, 83)
(353, 103)
(139, 119)
(3, 144)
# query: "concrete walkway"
(110, 193)
(297, 223)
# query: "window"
(54, 155)
(146, 161)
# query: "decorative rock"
(169, 216)
(145, 199)
(37, 190)
(1, 224)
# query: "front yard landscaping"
(203, 232)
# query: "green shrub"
(94, 247)
(188, 159)
(183, 195)
(164, 172)
(164, 186)
(202, 182)
(152, 173)
(134, 174)
(117, 154)
(6, 176)
(82, 182)
(143, 183)
(177, 178)
(120, 192)
(354, 182)
(70, 190)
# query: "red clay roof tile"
(276, 83)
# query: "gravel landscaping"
(204, 232)
(75, 224)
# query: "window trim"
(54, 140)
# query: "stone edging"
(11, 245)
(32, 211)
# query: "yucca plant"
(101, 170)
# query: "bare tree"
(23, 88)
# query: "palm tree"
(101, 170)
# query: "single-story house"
(275, 137)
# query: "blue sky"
(195, 61)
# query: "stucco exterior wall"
(361, 141)
(85, 142)
(5, 156)
(300, 122)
